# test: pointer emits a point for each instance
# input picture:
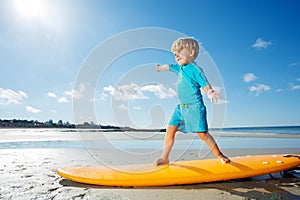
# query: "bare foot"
(224, 159)
(161, 161)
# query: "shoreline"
(19, 135)
(238, 130)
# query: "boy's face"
(184, 56)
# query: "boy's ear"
(192, 53)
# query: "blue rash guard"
(190, 114)
(190, 78)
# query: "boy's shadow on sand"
(248, 188)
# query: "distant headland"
(18, 123)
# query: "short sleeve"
(200, 76)
(174, 68)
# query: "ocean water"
(275, 130)
(64, 138)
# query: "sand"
(31, 174)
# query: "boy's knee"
(172, 129)
(202, 135)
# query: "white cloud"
(103, 96)
(221, 101)
(122, 107)
(133, 91)
(258, 88)
(51, 95)
(22, 94)
(76, 94)
(109, 89)
(294, 64)
(159, 90)
(32, 110)
(93, 100)
(295, 87)
(249, 77)
(73, 93)
(126, 92)
(62, 100)
(8, 96)
(261, 44)
(136, 108)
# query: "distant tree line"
(17, 123)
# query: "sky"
(252, 48)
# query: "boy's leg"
(209, 140)
(168, 144)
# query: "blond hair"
(188, 43)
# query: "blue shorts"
(190, 118)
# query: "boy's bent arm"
(162, 67)
(211, 94)
(207, 88)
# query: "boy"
(190, 114)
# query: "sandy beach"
(30, 173)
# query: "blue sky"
(254, 44)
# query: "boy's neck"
(186, 64)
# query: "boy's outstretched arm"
(162, 67)
(211, 94)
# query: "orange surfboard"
(178, 173)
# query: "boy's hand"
(157, 67)
(213, 96)
(162, 67)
